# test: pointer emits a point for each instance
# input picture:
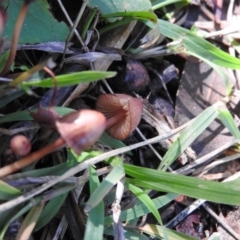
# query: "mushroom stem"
(115, 119)
(16, 34)
(57, 144)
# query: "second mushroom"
(123, 113)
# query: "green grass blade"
(139, 15)
(107, 184)
(141, 209)
(50, 211)
(111, 142)
(197, 46)
(49, 171)
(25, 115)
(146, 200)
(149, 18)
(156, 4)
(158, 232)
(10, 97)
(188, 186)
(94, 227)
(8, 192)
(70, 79)
(227, 119)
(3, 59)
(189, 134)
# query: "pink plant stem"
(59, 143)
(16, 34)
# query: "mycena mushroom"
(123, 113)
(79, 130)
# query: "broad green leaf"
(94, 227)
(8, 192)
(146, 200)
(192, 44)
(106, 185)
(109, 7)
(29, 222)
(70, 79)
(162, 3)
(158, 232)
(189, 134)
(141, 209)
(25, 115)
(39, 25)
(227, 119)
(188, 186)
(50, 211)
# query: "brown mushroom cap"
(81, 129)
(20, 145)
(122, 111)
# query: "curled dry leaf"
(123, 113)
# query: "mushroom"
(123, 113)
(79, 130)
(20, 145)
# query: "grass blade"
(139, 15)
(70, 79)
(197, 46)
(158, 232)
(94, 227)
(227, 119)
(188, 186)
(156, 4)
(140, 209)
(189, 134)
(107, 184)
(50, 211)
(8, 192)
(10, 97)
(146, 200)
(25, 115)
